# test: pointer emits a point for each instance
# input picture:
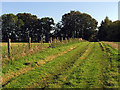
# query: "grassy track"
(111, 69)
(60, 79)
(47, 69)
(94, 72)
(17, 67)
(79, 65)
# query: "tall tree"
(29, 27)
(103, 29)
(76, 24)
(10, 25)
(113, 32)
(47, 26)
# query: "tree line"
(72, 25)
(109, 31)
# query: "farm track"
(91, 65)
(110, 71)
(86, 74)
(59, 68)
(94, 72)
(62, 76)
(9, 77)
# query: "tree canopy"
(109, 31)
(10, 26)
(72, 25)
(24, 25)
(76, 25)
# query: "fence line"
(52, 43)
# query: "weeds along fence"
(57, 42)
(17, 50)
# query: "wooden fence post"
(66, 40)
(9, 48)
(51, 40)
(62, 39)
(55, 40)
(69, 39)
(29, 42)
(41, 42)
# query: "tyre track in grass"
(110, 70)
(61, 76)
(8, 78)
(90, 73)
(86, 74)
(46, 72)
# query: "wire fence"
(13, 51)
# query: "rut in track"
(65, 71)
(9, 76)
(110, 70)
(47, 66)
(88, 73)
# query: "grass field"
(72, 65)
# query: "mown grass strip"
(93, 72)
(82, 75)
(60, 79)
(51, 68)
(39, 63)
(55, 52)
(110, 70)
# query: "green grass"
(41, 55)
(89, 65)
(49, 68)
(94, 72)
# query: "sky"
(119, 10)
(98, 10)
